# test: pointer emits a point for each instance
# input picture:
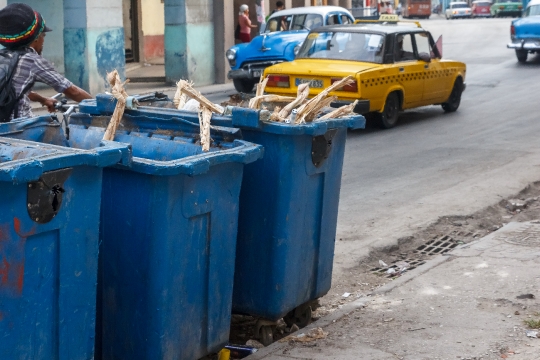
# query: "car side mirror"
(424, 57)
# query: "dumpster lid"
(23, 161)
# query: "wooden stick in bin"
(120, 95)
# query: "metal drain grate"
(413, 264)
(437, 246)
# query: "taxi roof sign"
(389, 18)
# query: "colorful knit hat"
(20, 25)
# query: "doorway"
(131, 29)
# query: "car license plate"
(256, 74)
(312, 83)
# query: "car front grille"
(260, 64)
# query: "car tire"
(521, 55)
(452, 104)
(388, 118)
(244, 85)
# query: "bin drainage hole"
(56, 190)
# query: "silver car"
(458, 9)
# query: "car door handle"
(401, 69)
(426, 66)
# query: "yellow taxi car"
(396, 66)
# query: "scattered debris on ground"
(384, 265)
(311, 335)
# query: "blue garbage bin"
(288, 209)
(168, 231)
(49, 232)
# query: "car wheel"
(388, 118)
(452, 104)
(521, 55)
(244, 85)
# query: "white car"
(458, 9)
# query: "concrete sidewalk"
(468, 304)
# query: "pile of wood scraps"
(297, 110)
(300, 110)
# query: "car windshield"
(294, 22)
(459, 6)
(339, 45)
(533, 10)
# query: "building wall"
(223, 38)
(153, 28)
(54, 42)
(93, 42)
(200, 41)
(189, 41)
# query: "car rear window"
(482, 3)
(306, 22)
(533, 10)
(355, 46)
(459, 6)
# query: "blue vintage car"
(525, 32)
(279, 41)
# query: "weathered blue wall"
(51, 10)
(189, 41)
(94, 42)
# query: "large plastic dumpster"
(49, 232)
(168, 230)
(288, 210)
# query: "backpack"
(8, 99)
(237, 32)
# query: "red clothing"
(245, 24)
(245, 38)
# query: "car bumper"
(362, 107)
(509, 13)
(251, 74)
(482, 15)
(460, 15)
(529, 44)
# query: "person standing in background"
(245, 24)
(279, 6)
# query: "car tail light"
(520, 7)
(455, 11)
(278, 81)
(512, 30)
(501, 7)
(353, 87)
